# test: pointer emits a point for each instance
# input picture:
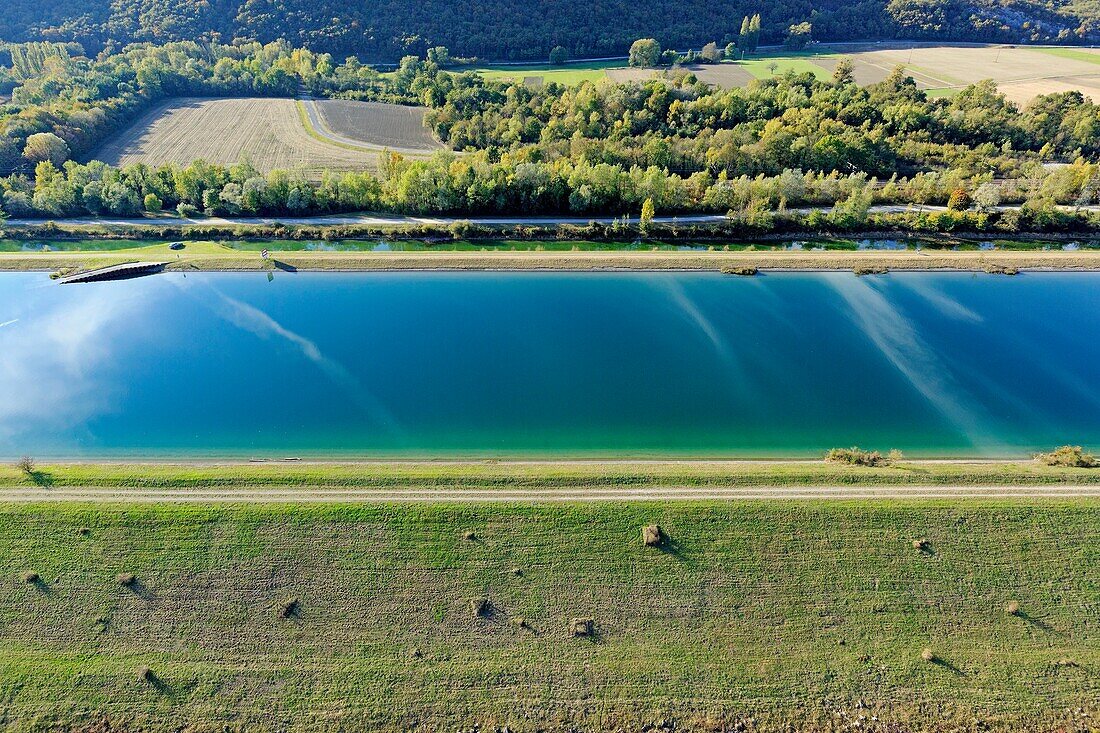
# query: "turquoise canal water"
(547, 364)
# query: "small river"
(547, 364)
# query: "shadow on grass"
(140, 590)
(41, 586)
(292, 610)
(162, 687)
(41, 478)
(284, 266)
(940, 662)
(1036, 622)
(669, 546)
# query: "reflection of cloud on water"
(690, 309)
(898, 340)
(259, 323)
(50, 365)
(940, 300)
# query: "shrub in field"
(25, 464)
(479, 606)
(1068, 456)
(1012, 608)
(582, 626)
(289, 608)
(928, 655)
(651, 535)
(126, 579)
(31, 578)
(856, 457)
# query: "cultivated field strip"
(396, 127)
(1020, 72)
(268, 132)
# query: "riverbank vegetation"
(750, 616)
(783, 143)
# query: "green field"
(804, 613)
(569, 74)
(759, 67)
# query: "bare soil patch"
(397, 127)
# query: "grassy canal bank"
(897, 615)
(483, 476)
(79, 255)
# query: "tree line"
(595, 148)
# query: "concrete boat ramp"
(115, 272)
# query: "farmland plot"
(397, 127)
(268, 132)
(1021, 72)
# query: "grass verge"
(490, 475)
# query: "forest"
(386, 30)
(666, 145)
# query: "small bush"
(993, 269)
(31, 578)
(126, 579)
(518, 572)
(870, 270)
(479, 606)
(581, 626)
(289, 608)
(959, 200)
(1068, 456)
(928, 655)
(1012, 608)
(856, 457)
(745, 271)
(145, 674)
(469, 536)
(921, 544)
(26, 465)
(651, 535)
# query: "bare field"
(1021, 72)
(397, 127)
(269, 132)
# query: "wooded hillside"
(385, 30)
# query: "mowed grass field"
(268, 132)
(346, 617)
(568, 74)
(396, 127)
(1021, 72)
